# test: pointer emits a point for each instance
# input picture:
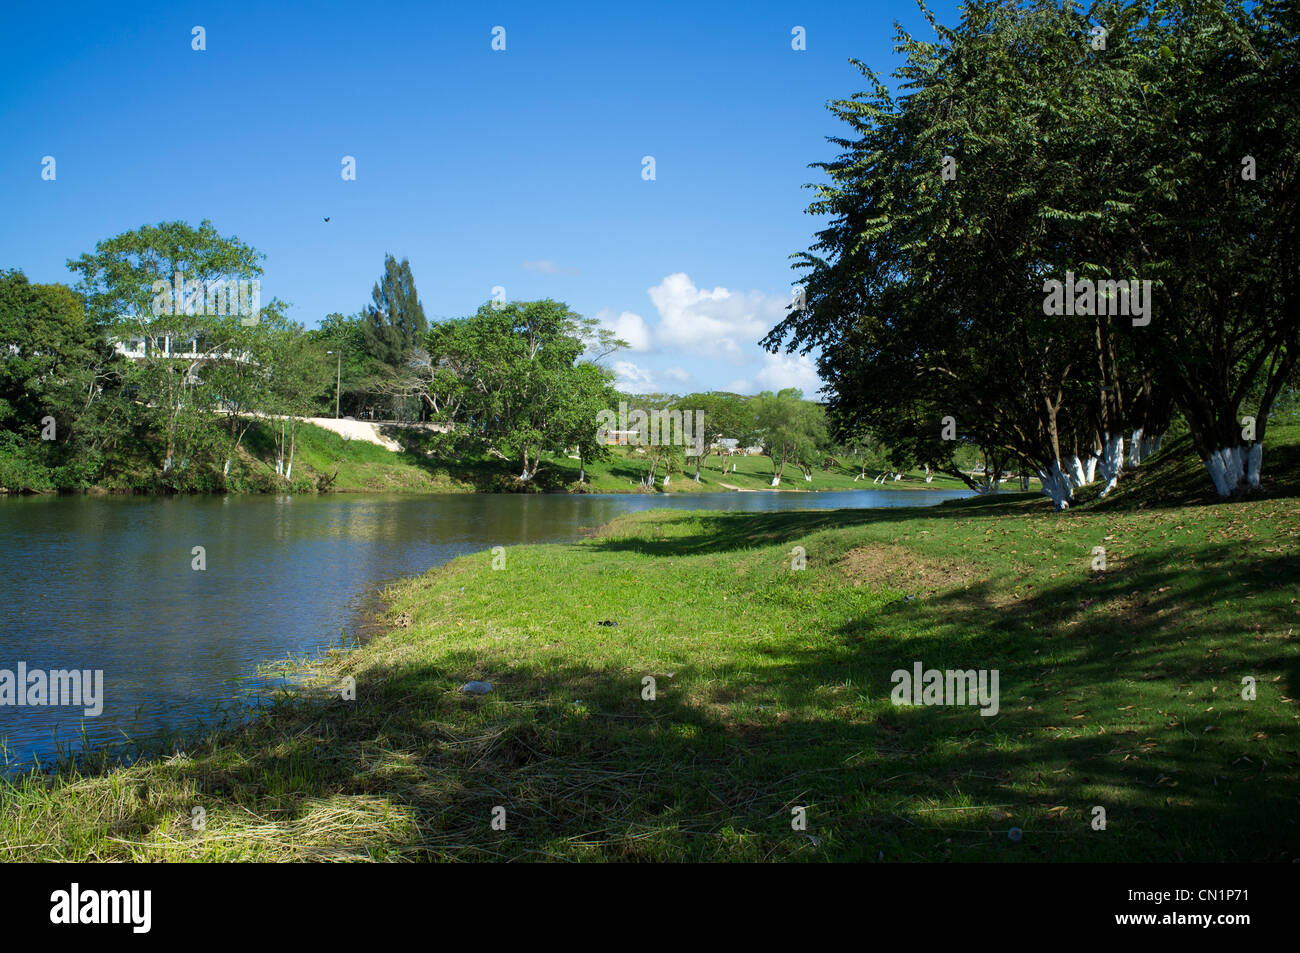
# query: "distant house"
(620, 438)
(185, 347)
(730, 446)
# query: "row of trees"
(514, 380)
(1038, 142)
(783, 425)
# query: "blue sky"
(520, 169)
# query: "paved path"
(367, 430)
(355, 430)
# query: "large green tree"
(394, 324)
(512, 379)
(55, 366)
(177, 289)
(725, 415)
(1037, 142)
(792, 430)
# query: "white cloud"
(717, 323)
(628, 327)
(699, 332)
(633, 379)
(790, 370)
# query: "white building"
(183, 347)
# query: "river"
(110, 584)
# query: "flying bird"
(327, 218)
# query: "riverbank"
(361, 459)
(1119, 688)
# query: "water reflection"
(95, 583)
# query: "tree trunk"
(1056, 485)
(1112, 463)
(1253, 463)
(293, 440)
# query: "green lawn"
(625, 469)
(1119, 689)
(323, 461)
(326, 461)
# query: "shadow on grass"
(734, 531)
(1105, 701)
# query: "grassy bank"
(326, 462)
(1119, 688)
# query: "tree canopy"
(1039, 143)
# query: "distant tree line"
(161, 366)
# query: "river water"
(110, 584)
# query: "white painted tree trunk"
(1056, 486)
(1215, 468)
(666, 478)
(1228, 465)
(1234, 467)
(1135, 447)
(1090, 468)
(808, 477)
(1112, 463)
(1253, 464)
(776, 481)
(225, 471)
(1077, 476)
